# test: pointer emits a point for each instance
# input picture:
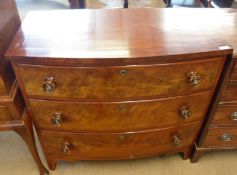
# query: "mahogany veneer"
(121, 84)
(120, 116)
(13, 113)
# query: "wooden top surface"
(124, 33)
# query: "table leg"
(27, 134)
(77, 4)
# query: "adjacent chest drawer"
(120, 82)
(118, 145)
(4, 115)
(225, 114)
(234, 74)
(230, 93)
(221, 136)
(119, 116)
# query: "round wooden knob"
(66, 147)
(176, 140)
(194, 79)
(185, 112)
(57, 119)
(49, 84)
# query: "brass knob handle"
(176, 140)
(194, 79)
(226, 137)
(185, 112)
(123, 72)
(233, 116)
(66, 147)
(49, 84)
(57, 119)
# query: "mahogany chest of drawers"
(115, 86)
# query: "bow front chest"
(115, 84)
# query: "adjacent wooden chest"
(219, 131)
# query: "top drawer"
(118, 82)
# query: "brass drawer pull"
(185, 112)
(194, 79)
(49, 84)
(66, 147)
(226, 137)
(57, 119)
(233, 116)
(177, 140)
(123, 72)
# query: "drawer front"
(120, 82)
(225, 115)
(119, 116)
(230, 93)
(118, 145)
(221, 136)
(4, 115)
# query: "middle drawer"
(119, 116)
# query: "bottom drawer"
(221, 136)
(119, 145)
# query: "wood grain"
(4, 115)
(223, 115)
(118, 145)
(120, 116)
(104, 83)
(234, 74)
(213, 137)
(104, 35)
(230, 93)
(9, 24)
(13, 105)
